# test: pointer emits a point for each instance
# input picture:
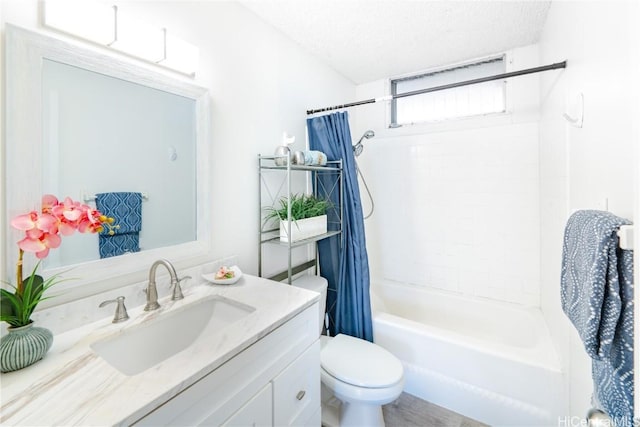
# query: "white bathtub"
(490, 361)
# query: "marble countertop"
(72, 385)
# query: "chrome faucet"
(152, 291)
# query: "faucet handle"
(121, 311)
(177, 290)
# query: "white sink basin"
(139, 348)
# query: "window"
(464, 101)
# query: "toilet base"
(330, 407)
(360, 414)
(338, 413)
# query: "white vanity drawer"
(256, 412)
(296, 390)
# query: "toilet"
(358, 376)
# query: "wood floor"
(410, 411)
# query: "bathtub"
(487, 360)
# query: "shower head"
(368, 134)
(357, 148)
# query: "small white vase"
(281, 153)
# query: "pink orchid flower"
(41, 244)
(91, 220)
(48, 202)
(69, 210)
(26, 221)
(31, 220)
(69, 213)
(42, 231)
(66, 227)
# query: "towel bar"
(625, 233)
(92, 197)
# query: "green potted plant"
(308, 217)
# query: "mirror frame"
(25, 52)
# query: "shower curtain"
(346, 268)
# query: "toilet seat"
(360, 363)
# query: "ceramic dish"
(211, 277)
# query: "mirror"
(79, 123)
(103, 134)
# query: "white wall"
(456, 203)
(260, 84)
(583, 168)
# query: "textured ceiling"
(366, 40)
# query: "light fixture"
(180, 55)
(91, 21)
(137, 38)
(111, 27)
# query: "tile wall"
(460, 210)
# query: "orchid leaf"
(18, 306)
(9, 305)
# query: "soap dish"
(211, 277)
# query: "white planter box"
(303, 228)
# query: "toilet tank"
(317, 284)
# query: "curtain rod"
(555, 66)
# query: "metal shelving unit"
(275, 182)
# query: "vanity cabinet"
(273, 382)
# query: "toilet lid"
(360, 363)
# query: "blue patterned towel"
(126, 208)
(597, 296)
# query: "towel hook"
(579, 106)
